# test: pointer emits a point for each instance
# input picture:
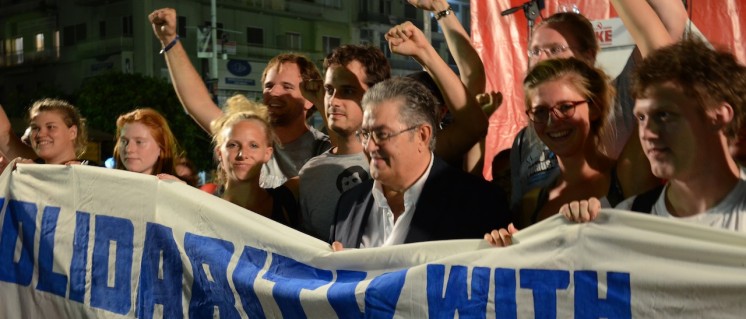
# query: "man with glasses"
(413, 196)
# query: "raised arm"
(467, 59)
(470, 123)
(653, 24)
(189, 86)
(652, 29)
(673, 16)
(10, 144)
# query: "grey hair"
(418, 106)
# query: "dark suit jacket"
(452, 205)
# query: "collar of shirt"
(381, 229)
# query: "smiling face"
(395, 161)
(344, 88)
(139, 150)
(244, 150)
(51, 139)
(564, 136)
(282, 94)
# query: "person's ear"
(73, 131)
(425, 134)
(722, 115)
(218, 154)
(308, 105)
(268, 153)
(593, 112)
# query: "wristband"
(443, 13)
(170, 45)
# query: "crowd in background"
(399, 158)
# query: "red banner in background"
(501, 42)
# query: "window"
(255, 36)
(410, 12)
(102, 29)
(2, 50)
(384, 7)
(466, 17)
(127, 26)
(81, 32)
(18, 50)
(332, 3)
(293, 40)
(181, 24)
(384, 45)
(73, 34)
(68, 35)
(57, 43)
(218, 26)
(40, 42)
(330, 43)
(366, 35)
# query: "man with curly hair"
(690, 107)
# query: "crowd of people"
(398, 164)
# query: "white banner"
(81, 241)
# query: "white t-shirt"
(381, 229)
(729, 214)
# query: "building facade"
(60, 43)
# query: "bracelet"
(170, 45)
(443, 13)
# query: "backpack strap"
(644, 202)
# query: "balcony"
(365, 16)
(94, 48)
(29, 58)
(91, 3)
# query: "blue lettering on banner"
(382, 294)
(161, 276)
(249, 264)
(290, 277)
(80, 256)
(154, 289)
(209, 293)
(341, 294)
(505, 300)
(617, 305)
(544, 284)
(117, 298)
(18, 216)
(456, 296)
(49, 281)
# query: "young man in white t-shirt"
(690, 105)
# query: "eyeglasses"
(378, 136)
(550, 51)
(564, 110)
